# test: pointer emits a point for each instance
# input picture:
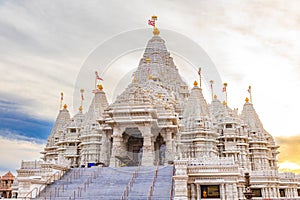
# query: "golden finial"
(65, 106)
(247, 100)
(224, 103)
(159, 95)
(156, 31)
(195, 83)
(100, 87)
(147, 60)
(225, 84)
(80, 108)
(215, 96)
(150, 77)
(154, 17)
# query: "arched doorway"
(160, 148)
(134, 143)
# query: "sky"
(44, 45)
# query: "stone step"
(109, 183)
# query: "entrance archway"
(134, 143)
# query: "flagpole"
(154, 18)
(96, 73)
(225, 86)
(61, 100)
(82, 98)
(250, 92)
(200, 78)
(212, 89)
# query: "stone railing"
(264, 173)
(211, 169)
(212, 161)
(31, 164)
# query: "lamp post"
(248, 193)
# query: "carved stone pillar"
(198, 192)
(222, 192)
(193, 192)
(180, 180)
(169, 148)
(235, 191)
(274, 193)
(117, 149)
(104, 148)
(148, 153)
(263, 194)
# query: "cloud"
(289, 158)
(14, 120)
(13, 151)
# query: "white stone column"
(295, 192)
(180, 180)
(198, 192)
(169, 148)
(115, 150)
(234, 191)
(263, 194)
(274, 193)
(241, 194)
(222, 191)
(270, 191)
(147, 159)
(104, 149)
(193, 192)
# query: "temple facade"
(159, 120)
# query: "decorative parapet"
(232, 170)
(211, 161)
(31, 164)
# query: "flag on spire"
(199, 71)
(249, 89)
(151, 22)
(98, 77)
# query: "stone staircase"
(109, 183)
